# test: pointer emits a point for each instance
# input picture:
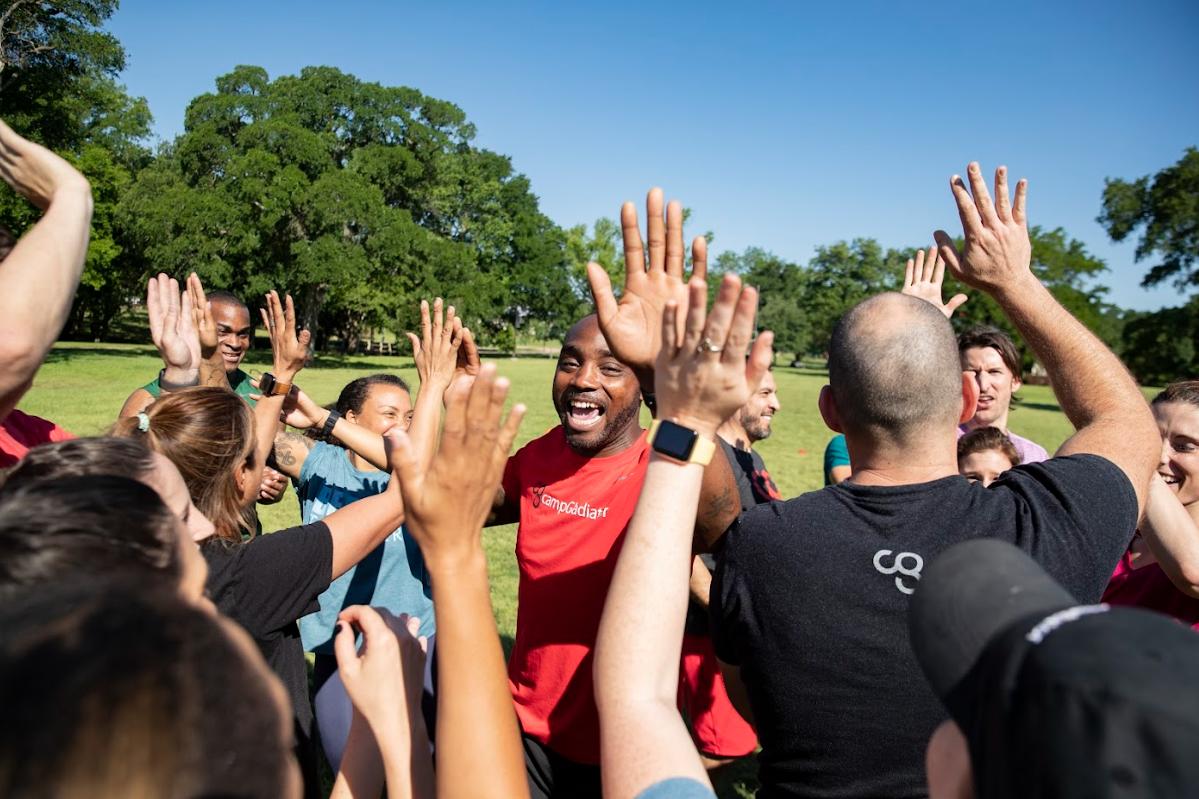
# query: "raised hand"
(997, 254)
(383, 678)
(171, 326)
(33, 171)
(300, 410)
(289, 348)
(466, 369)
(202, 318)
(633, 326)
(435, 351)
(702, 376)
(923, 278)
(447, 504)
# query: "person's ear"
(1016, 383)
(828, 410)
(243, 475)
(969, 397)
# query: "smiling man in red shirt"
(574, 490)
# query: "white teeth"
(584, 405)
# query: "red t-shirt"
(573, 514)
(1149, 587)
(20, 432)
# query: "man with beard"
(574, 489)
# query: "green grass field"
(82, 386)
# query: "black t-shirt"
(265, 585)
(810, 599)
(755, 486)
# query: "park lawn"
(82, 387)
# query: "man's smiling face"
(233, 332)
(598, 398)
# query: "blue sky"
(782, 125)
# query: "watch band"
(700, 449)
(330, 423)
(273, 387)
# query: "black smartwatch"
(330, 423)
(680, 443)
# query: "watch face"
(674, 441)
(266, 384)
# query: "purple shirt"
(1030, 451)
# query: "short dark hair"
(62, 529)
(79, 457)
(1179, 391)
(982, 336)
(220, 295)
(112, 688)
(988, 438)
(893, 366)
(356, 391)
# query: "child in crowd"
(986, 453)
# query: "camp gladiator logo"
(582, 510)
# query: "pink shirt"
(1030, 451)
(19, 432)
(1149, 587)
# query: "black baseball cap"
(1054, 698)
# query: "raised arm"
(436, 354)
(302, 413)
(289, 350)
(39, 277)
(1092, 386)
(632, 327)
(1173, 536)
(478, 739)
(384, 680)
(702, 378)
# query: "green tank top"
(239, 381)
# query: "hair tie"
(143, 421)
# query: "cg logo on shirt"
(897, 565)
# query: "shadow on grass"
(1038, 406)
(60, 355)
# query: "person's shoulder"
(1030, 451)
(552, 440)
(1074, 478)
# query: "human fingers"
(761, 355)
(921, 270)
(412, 339)
(655, 230)
(503, 444)
(699, 258)
(909, 278)
(741, 327)
(971, 222)
(154, 309)
(955, 303)
(438, 319)
(720, 317)
(450, 329)
(368, 621)
(170, 318)
(672, 337)
(495, 409)
(674, 239)
(480, 399)
(948, 251)
(1003, 206)
(634, 251)
(401, 457)
(938, 266)
(289, 315)
(982, 197)
(1019, 210)
(697, 312)
(346, 651)
(426, 324)
(469, 351)
(601, 291)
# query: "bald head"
(893, 368)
